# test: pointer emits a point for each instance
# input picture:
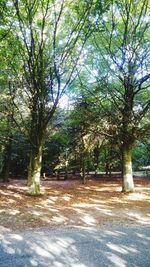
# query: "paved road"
(119, 246)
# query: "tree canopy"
(97, 54)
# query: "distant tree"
(7, 55)
(54, 154)
(141, 155)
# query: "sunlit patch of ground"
(73, 204)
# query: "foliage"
(97, 52)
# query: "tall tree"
(121, 39)
(50, 40)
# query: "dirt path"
(69, 203)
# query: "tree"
(121, 41)
(6, 109)
(49, 37)
(84, 128)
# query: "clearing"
(69, 203)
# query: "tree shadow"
(107, 246)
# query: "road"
(109, 245)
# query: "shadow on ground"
(114, 246)
(69, 203)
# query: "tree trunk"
(127, 182)
(107, 168)
(34, 170)
(110, 170)
(96, 152)
(83, 172)
(66, 165)
(7, 160)
(82, 168)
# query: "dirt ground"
(70, 203)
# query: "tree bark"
(107, 167)
(127, 182)
(96, 158)
(7, 160)
(34, 170)
(83, 172)
(82, 167)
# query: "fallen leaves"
(71, 203)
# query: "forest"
(74, 90)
